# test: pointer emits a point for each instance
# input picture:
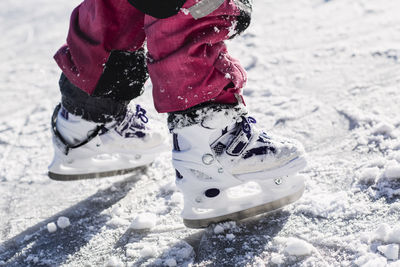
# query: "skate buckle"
(278, 181)
(208, 159)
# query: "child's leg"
(216, 144)
(96, 29)
(188, 61)
(103, 66)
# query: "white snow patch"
(148, 252)
(371, 260)
(369, 174)
(277, 258)
(185, 11)
(383, 128)
(117, 222)
(144, 221)
(382, 232)
(114, 262)
(394, 236)
(298, 247)
(392, 170)
(184, 253)
(391, 251)
(230, 236)
(170, 262)
(386, 233)
(51, 227)
(218, 229)
(177, 198)
(63, 222)
(328, 204)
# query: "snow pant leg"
(103, 56)
(188, 60)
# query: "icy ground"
(324, 72)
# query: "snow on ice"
(323, 72)
(63, 222)
(51, 227)
(144, 221)
(297, 247)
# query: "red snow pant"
(188, 61)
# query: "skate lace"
(246, 124)
(130, 126)
(141, 114)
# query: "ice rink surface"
(324, 72)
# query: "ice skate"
(229, 170)
(85, 149)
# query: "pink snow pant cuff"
(188, 61)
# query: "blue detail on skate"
(246, 125)
(264, 138)
(178, 174)
(263, 150)
(219, 148)
(64, 113)
(242, 137)
(224, 131)
(130, 127)
(175, 142)
(238, 144)
(141, 114)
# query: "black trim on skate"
(94, 175)
(244, 214)
(60, 141)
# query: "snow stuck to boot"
(227, 169)
(86, 149)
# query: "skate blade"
(93, 175)
(247, 213)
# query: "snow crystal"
(390, 251)
(230, 236)
(144, 221)
(371, 260)
(229, 250)
(114, 262)
(369, 174)
(383, 128)
(218, 229)
(63, 222)
(297, 247)
(394, 264)
(170, 262)
(394, 208)
(185, 11)
(117, 222)
(382, 232)
(394, 235)
(148, 251)
(177, 198)
(184, 253)
(51, 227)
(276, 258)
(392, 171)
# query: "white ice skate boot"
(85, 149)
(229, 170)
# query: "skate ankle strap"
(60, 141)
(238, 144)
